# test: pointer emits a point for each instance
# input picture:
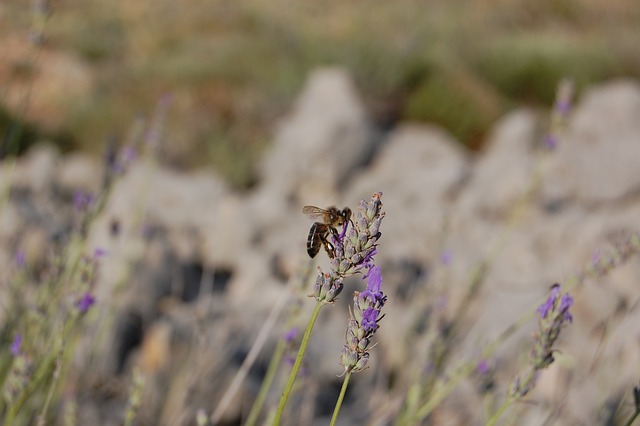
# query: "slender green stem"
(52, 386)
(41, 373)
(632, 418)
(135, 397)
(343, 391)
(496, 416)
(266, 383)
(296, 365)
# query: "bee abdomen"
(314, 239)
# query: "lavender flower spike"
(554, 314)
(16, 345)
(363, 323)
(85, 302)
(355, 248)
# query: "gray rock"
(597, 160)
(80, 172)
(503, 170)
(324, 139)
(417, 168)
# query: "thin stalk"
(632, 418)
(249, 360)
(276, 359)
(492, 421)
(297, 364)
(343, 391)
(52, 386)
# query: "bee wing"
(313, 212)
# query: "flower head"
(85, 302)
(482, 368)
(354, 249)
(16, 345)
(565, 303)
(550, 303)
(554, 314)
(365, 316)
(561, 108)
(99, 252)
(82, 200)
(291, 335)
(446, 257)
(20, 258)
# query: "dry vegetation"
(233, 68)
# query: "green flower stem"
(343, 391)
(632, 418)
(492, 421)
(53, 386)
(276, 359)
(40, 375)
(296, 365)
(135, 397)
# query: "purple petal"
(16, 344)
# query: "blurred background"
(233, 68)
(240, 113)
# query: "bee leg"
(331, 251)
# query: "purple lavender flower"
(129, 154)
(559, 113)
(446, 257)
(99, 252)
(363, 323)
(85, 302)
(482, 368)
(550, 303)
(291, 335)
(82, 200)
(20, 259)
(369, 319)
(550, 141)
(354, 249)
(564, 97)
(565, 303)
(16, 345)
(554, 314)
(374, 282)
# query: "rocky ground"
(193, 269)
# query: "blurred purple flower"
(550, 141)
(129, 154)
(290, 335)
(16, 344)
(550, 303)
(99, 252)
(20, 259)
(482, 368)
(446, 257)
(563, 106)
(442, 301)
(82, 200)
(565, 303)
(85, 302)
(364, 322)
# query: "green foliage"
(527, 66)
(449, 103)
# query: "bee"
(319, 232)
